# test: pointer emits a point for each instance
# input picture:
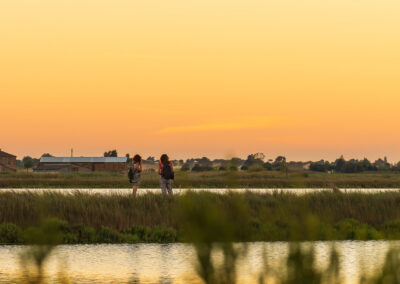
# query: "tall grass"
(262, 217)
(214, 222)
(212, 179)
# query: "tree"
(244, 168)
(185, 167)
(382, 164)
(366, 165)
(255, 159)
(27, 162)
(112, 153)
(204, 162)
(150, 159)
(279, 164)
(47, 155)
(268, 166)
(259, 156)
(321, 166)
(232, 164)
(339, 164)
(351, 166)
(201, 168)
(197, 168)
(279, 160)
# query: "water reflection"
(173, 263)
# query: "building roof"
(83, 159)
(4, 154)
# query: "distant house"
(8, 162)
(81, 164)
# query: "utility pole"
(72, 152)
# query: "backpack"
(167, 172)
(130, 174)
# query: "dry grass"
(212, 179)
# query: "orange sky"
(307, 79)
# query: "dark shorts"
(136, 179)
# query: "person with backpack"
(166, 172)
(135, 173)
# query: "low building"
(8, 162)
(81, 164)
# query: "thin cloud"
(237, 124)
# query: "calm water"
(155, 263)
(182, 190)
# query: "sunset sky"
(308, 79)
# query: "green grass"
(212, 179)
(195, 217)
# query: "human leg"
(169, 186)
(163, 184)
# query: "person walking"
(166, 172)
(135, 173)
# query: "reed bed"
(246, 216)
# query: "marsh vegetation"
(244, 217)
(252, 178)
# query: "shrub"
(392, 229)
(108, 236)
(9, 234)
(350, 229)
(85, 234)
(130, 239)
(200, 168)
(162, 234)
(142, 232)
(70, 238)
(347, 229)
(268, 166)
(185, 167)
(50, 232)
(157, 234)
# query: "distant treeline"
(354, 166)
(256, 162)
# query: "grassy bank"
(212, 179)
(194, 216)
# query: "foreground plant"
(42, 241)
